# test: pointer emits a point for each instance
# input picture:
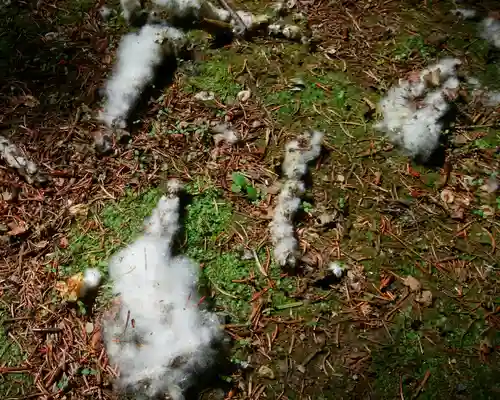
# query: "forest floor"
(375, 334)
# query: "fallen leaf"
(265, 372)
(70, 290)
(17, 228)
(413, 283)
(458, 213)
(447, 196)
(424, 298)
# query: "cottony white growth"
(91, 281)
(139, 56)
(336, 268)
(490, 31)
(298, 154)
(188, 10)
(171, 337)
(465, 13)
(413, 111)
(195, 10)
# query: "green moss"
(120, 223)
(12, 385)
(216, 74)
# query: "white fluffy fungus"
(465, 13)
(490, 31)
(15, 158)
(223, 133)
(105, 12)
(139, 56)
(91, 281)
(161, 338)
(336, 268)
(413, 111)
(298, 154)
(194, 10)
(289, 31)
(131, 8)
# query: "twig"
(235, 16)
(46, 330)
(422, 384)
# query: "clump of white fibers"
(139, 56)
(131, 9)
(15, 158)
(413, 111)
(299, 153)
(464, 13)
(194, 10)
(490, 31)
(170, 338)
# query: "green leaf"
(252, 193)
(235, 188)
(87, 371)
(239, 179)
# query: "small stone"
(265, 372)
(89, 327)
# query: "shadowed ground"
(300, 336)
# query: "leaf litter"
(413, 236)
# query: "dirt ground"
(417, 313)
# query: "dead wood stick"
(235, 16)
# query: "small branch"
(235, 15)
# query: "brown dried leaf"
(447, 196)
(17, 228)
(413, 283)
(424, 298)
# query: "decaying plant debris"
(16, 159)
(293, 335)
